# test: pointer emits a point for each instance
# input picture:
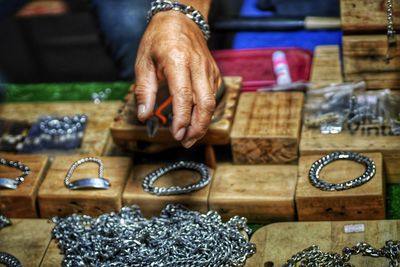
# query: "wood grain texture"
(56, 200)
(363, 59)
(267, 127)
(21, 203)
(150, 204)
(279, 241)
(367, 15)
(97, 131)
(26, 239)
(124, 133)
(53, 256)
(261, 193)
(326, 67)
(366, 202)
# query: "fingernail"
(189, 143)
(141, 109)
(180, 134)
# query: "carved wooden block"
(261, 193)
(366, 202)
(21, 203)
(150, 204)
(267, 128)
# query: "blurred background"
(47, 41)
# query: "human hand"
(173, 50)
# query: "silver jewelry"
(313, 256)
(177, 238)
(87, 183)
(317, 166)
(150, 179)
(9, 260)
(190, 12)
(4, 221)
(391, 33)
(5, 258)
(7, 183)
(56, 126)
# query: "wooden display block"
(367, 15)
(326, 67)
(126, 133)
(21, 203)
(364, 59)
(26, 239)
(267, 127)
(99, 118)
(313, 142)
(150, 204)
(261, 193)
(276, 243)
(366, 202)
(56, 200)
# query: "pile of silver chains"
(314, 257)
(5, 258)
(177, 238)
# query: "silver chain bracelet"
(190, 12)
(5, 258)
(87, 183)
(313, 256)
(317, 166)
(8, 183)
(177, 238)
(391, 33)
(150, 179)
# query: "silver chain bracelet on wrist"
(190, 12)
(87, 183)
(150, 179)
(317, 166)
(8, 183)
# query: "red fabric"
(255, 65)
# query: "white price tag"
(354, 228)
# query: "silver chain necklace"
(314, 257)
(8, 183)
(391, 33)
(177, 238)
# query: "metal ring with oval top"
(89, 182)
(317, 166)
(150, 179)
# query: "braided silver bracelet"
(190, 12)
(87, 183)
(150, 179)
(8, 183)
(317, 166)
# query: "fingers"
(145, 88)
(178, 78)
(204, 104)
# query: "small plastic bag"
(327, 108)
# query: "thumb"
(145, 89)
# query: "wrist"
(203, 6)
